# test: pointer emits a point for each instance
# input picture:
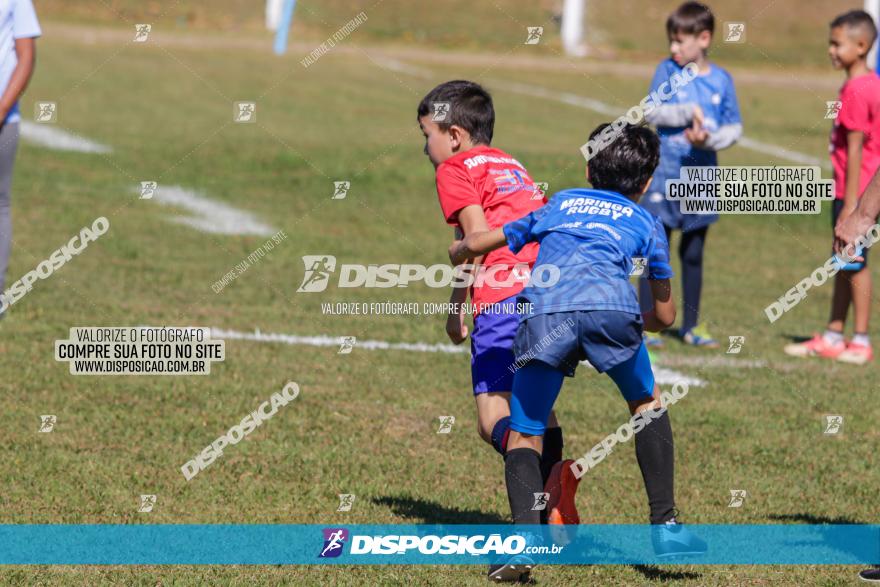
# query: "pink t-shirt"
(859, 111)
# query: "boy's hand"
(696, 134)
(848, 229)
(845, 211)
(456, 329)
(453, 250)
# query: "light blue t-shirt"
(18, 20)
(715, 94)
(592, 236)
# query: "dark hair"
(470, 107)
(855, 19)
(691, 18)
(626, 163)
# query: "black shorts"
(836, 207)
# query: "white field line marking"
(209, 215)
(663, 375)
(335, 341)
(49, 136)
(601, 108)
(682, 361)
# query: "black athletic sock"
(522, 472)
(552, 452)
(656, 456)
(691, 252)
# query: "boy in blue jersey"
(592, 313)
(696, 122)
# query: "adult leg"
(8, 145)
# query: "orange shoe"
(562, 485)
(816, 347)
(856, 354)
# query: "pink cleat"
(857, 354)
(816, 347)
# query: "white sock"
(832, 337)
(861, 339)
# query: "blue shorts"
(492, 347)
(563, 339)
(549, 347)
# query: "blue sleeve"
(729, 103)
(657, 252)
(520, 232)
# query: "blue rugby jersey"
(715, 94)
(592, 236)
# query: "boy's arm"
(471, 219)
(25, 51)
(857, 224)
(672, 115)
(662, 315)
(854, 140)
(730, 126)
(724, 137)
(476, 244)
(456, 329)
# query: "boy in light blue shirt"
(701, 118)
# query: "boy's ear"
(457, 136)
(704, 39)
(647, 185)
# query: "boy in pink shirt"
(855, 156)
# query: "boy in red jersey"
(855, 155)
(481, 188)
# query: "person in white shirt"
(19, 29)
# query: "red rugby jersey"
(489, 177)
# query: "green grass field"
(365, 423)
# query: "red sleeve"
(455, 191)
(855, 109)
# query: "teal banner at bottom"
(296, 544)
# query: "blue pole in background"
(284, 27)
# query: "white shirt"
(18, 20)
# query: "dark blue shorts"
(549, 346)
(492, 347)
(562, 339)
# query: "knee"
(484, 429)
(692, 256)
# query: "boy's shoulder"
(861, 87)
(718, 72)
(479, 157)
